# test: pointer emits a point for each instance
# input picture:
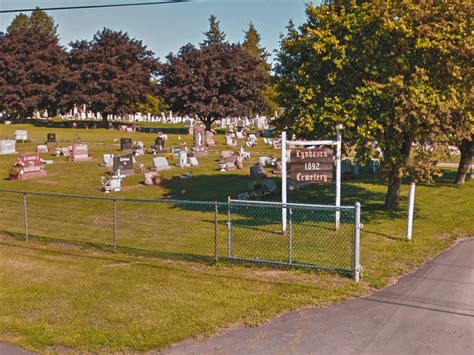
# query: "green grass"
(91, 300)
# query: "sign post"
(311, 166)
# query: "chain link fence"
(246, 231)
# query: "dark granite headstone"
(124, 163)
(126, 144)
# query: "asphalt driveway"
(430, 311)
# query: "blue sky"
(165, 28)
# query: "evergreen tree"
(38, 20)
(252, 42)
(252, 46)
(214, 36)
(20, 22)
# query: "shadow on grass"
(92, 124)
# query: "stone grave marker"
(51, 138)
(80, 152)
(183, 159)
(193, 161)
(151, 178)
(257, 172)
(160, 144)
(199, 142)
(42, 148)
(107, 160)
(21, 135)
(7, 146)
(160, 163)
(124, 163)
(175, 151)
(30, 166)
(138, 148)
(125, 144)
(210, 139)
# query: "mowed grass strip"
(91, 301)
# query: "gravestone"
(138, 148)
(199, 142)
(7, 146)
(227, 153)
(269, 186)
(160, 163)
(30, 166)
(183, 159)
(257, 172)
(239, 162)
(210, 139)
(80, 152)
(151, 178)
(123, 163)
(230, 166)
(175, 151)
(193, 161)
(21, 135)
(125, 144)
(42, 148)
(51, 138)
(107, 160)
(160, 144)
(264, 161)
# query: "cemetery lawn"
(55, 300)
(55, 296)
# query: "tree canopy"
(379, 69)
(213, 82)
(31, 68)
(111, 73)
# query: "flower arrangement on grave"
(106, 184)
(16, 170)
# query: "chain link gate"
(313, 238)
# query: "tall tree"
(31, 68)
(213, 82)
(111, 73)
(373, 67)
(252, 45)
(214, 36)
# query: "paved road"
(6, 349)
(430, 311)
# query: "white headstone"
(193, 161)
(21, 135)
(183, 159)
(43, 148)
(7, 146)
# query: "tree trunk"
(466, 148)
(392, 198)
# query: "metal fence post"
(290, 251)
(357, 228)
(25, 216)
(114, 224)
(216, 212)
(229, 232)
